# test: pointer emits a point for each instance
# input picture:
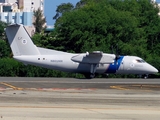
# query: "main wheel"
(89, 76)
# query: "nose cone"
(155, 70)
(152, 69)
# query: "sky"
(158, 1)
(50, 7)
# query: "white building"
(24, 5)
(20, 12)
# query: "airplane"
(88, 64)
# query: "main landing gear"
(92, 71)
(89, 75)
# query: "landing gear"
(92, 71)
(107, 75)
(89, 76)
(139, 76)
(143, 76)
(92, 75)
(146, 76)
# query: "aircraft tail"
(20, 41)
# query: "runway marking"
(118, 87)
(11, 86)
(74, 107)
(42, 89)
(135, 87)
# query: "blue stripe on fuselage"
(113, 67)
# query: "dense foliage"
(95, 25)
(39, 20)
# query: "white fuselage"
(124, 65)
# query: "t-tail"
(20, 41)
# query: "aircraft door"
(127, 65)
(121, 66)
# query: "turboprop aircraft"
(25, 51)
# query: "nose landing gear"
(145, 76)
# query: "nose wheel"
(143, 76)
(146, 76)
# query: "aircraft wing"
(95, 57)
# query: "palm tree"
(39, 20)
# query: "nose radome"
(153, 69)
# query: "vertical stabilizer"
(20, 41)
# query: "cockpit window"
(139, 61)
(143, 61)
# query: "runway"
(79, 99)
(29, 83)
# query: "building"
(20, 12)
(21, 5)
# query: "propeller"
(116, 53)
(117, 56)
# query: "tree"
(93, 26)
(4, 46)
(64, 7)
(39, 21)
(5, 50)
(3, 25)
